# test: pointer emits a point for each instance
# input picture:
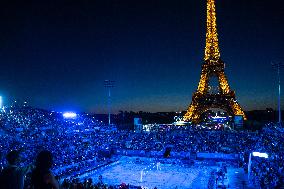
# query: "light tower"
(1, 102)
(278, 66)
(108, 85)
(213, 66)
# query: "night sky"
(57, 54)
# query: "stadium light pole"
(1, 102)
(108, 85)
(278, 66)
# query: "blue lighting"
(69, 115)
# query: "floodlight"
(69, 115)
(258, 154)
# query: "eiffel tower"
(213, 66)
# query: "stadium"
(58, 55)
(85, 149)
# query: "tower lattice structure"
(213, 66)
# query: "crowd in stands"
(268, 172)
(78, 144)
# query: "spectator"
(100, 183)
(42, 177)
(12, 177)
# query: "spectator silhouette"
(100, 183)
(42, 177)
(12, 177)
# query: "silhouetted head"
(44, 160)
(13, 157)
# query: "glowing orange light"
(213, 66)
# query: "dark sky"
(56, 54)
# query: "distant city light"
(258, 154)
(69, 115)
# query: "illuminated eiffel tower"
(213, 66)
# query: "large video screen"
(239, 121)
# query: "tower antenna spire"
(212, 46)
